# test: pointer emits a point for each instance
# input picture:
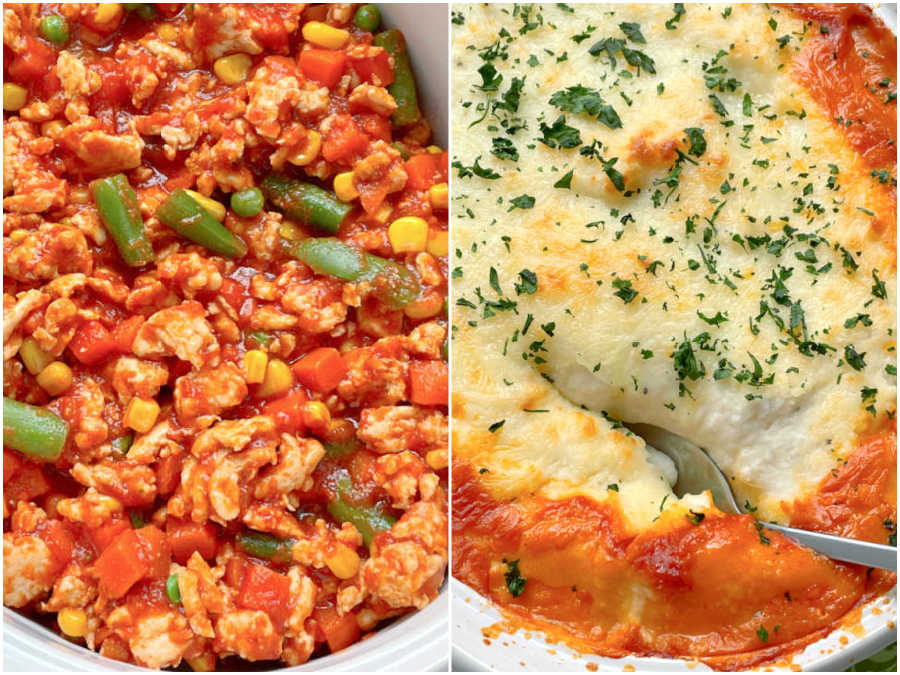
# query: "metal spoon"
(697, 472)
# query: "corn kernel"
(18, 235)
(278, 379)
(310, 152)
(107, 12)
(438, 243)
(72, 621)
(14, 97)
(316, 416)
(232, 69)
(344, 188)
(34, 358)
(255, 362)
(436, 459)
(323, 35)
(55, 378)
(433, 150)
(439, 195)
(167, 32)
(211, 206)
(52, 128)
(290, 231)
(344, 563)
(141, 415)
(408, 234)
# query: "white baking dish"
(418, 642)
(528, 650)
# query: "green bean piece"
(247, 203)
(119, 210)
(403, 88)
(369, 520)
(305, 202)
(172, 589)
(33, 431)
(367, 17)
(55, 28)
(265, 546)
(394, 284)
(123, 443)
(183, 214)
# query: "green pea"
(368, 17)
(123, 443)
(145, 10)
(172, 589)
(247, 203)
(55, 29)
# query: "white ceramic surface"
(528, 650)
(418, 642)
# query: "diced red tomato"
(234, 571)
(168, 473)
(325, 66)
(28, 482)
(187, 537)
(116, 91)
(123, 335)
(321, 369)
(443, 166)
(12, 464)
(376, 126)
(103, 536)
(233, 293)
(92, 343)
(59, 540)
(32, 62)
(338, 631)
(375, 67)
(428, 382)
(422, 171)
(287, 411)
(266, 590)
(120, 566)
(344, 140)
(133, 555)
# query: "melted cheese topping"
(736, 286)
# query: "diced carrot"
(325, 66)
(29, 482)
(120, 566)
(103, 536)
(428, 382)
(420, 171)
(287, 411)
(92, 343)
(12, 464)
(375, 67)
(321, 369)
(338, 631)
(168, 473)
(344, 141)
(123, 335)
(266, 590)
(187, 537)
(443, 166)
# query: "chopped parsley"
(515, 582)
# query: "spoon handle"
(841, 548)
